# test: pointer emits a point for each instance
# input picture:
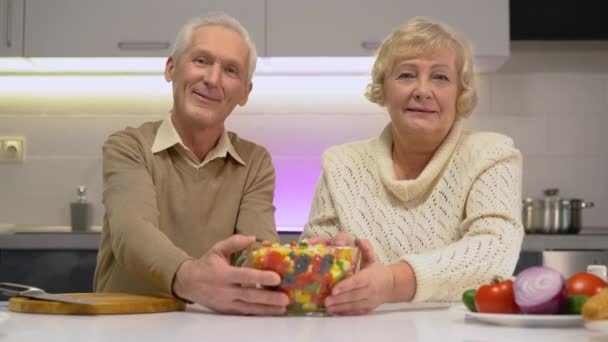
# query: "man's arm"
(256, 212)
(213, 282)
(132, 212)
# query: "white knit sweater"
(457, 225)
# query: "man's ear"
(169, 66)
(246, 95)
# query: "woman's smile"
(420, 110)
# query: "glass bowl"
(308, 272)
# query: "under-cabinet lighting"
(153, 65)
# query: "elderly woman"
(435, 209)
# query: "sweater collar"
(407, 190)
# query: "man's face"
(210, 76)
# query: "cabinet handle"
(143, 45)
(370, 45)
(9, 9)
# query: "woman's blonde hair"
(413, 39)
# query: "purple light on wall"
(296, 181)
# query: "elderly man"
(182, 196)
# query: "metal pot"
(533, 213)
(553, 215)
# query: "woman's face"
(420, 94)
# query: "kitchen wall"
(551, 98)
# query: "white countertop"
(390, 323)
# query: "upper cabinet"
(280, 28)
(11, 28)
(357, 27)
(119, 28)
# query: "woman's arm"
(492, 235)
(323, 219)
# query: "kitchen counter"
(67, 240)
(50, 241)
(592, 239)
(391, 322)
(584, 241)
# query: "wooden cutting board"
(106, 303)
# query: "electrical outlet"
(12, 149)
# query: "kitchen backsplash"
(550, 98)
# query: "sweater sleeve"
(256, 212)
(132, 214)
(323, 220)
(492, 234)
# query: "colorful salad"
(307, 272)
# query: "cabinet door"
(108, 28)
(11, 28)
(52, 270)
(356, 27)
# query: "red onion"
(540, 290)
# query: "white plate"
(520, 320)
(601, 326)
(4, 317)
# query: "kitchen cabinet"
(117, 28)
(357, 27)
(280, 28)
(56, 262)
(11, 28)
(57, 270)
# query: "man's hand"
(211, 281)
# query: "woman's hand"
(365, 290)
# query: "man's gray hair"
(184, 36)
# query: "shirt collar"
(167, 136)
(222, 149)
